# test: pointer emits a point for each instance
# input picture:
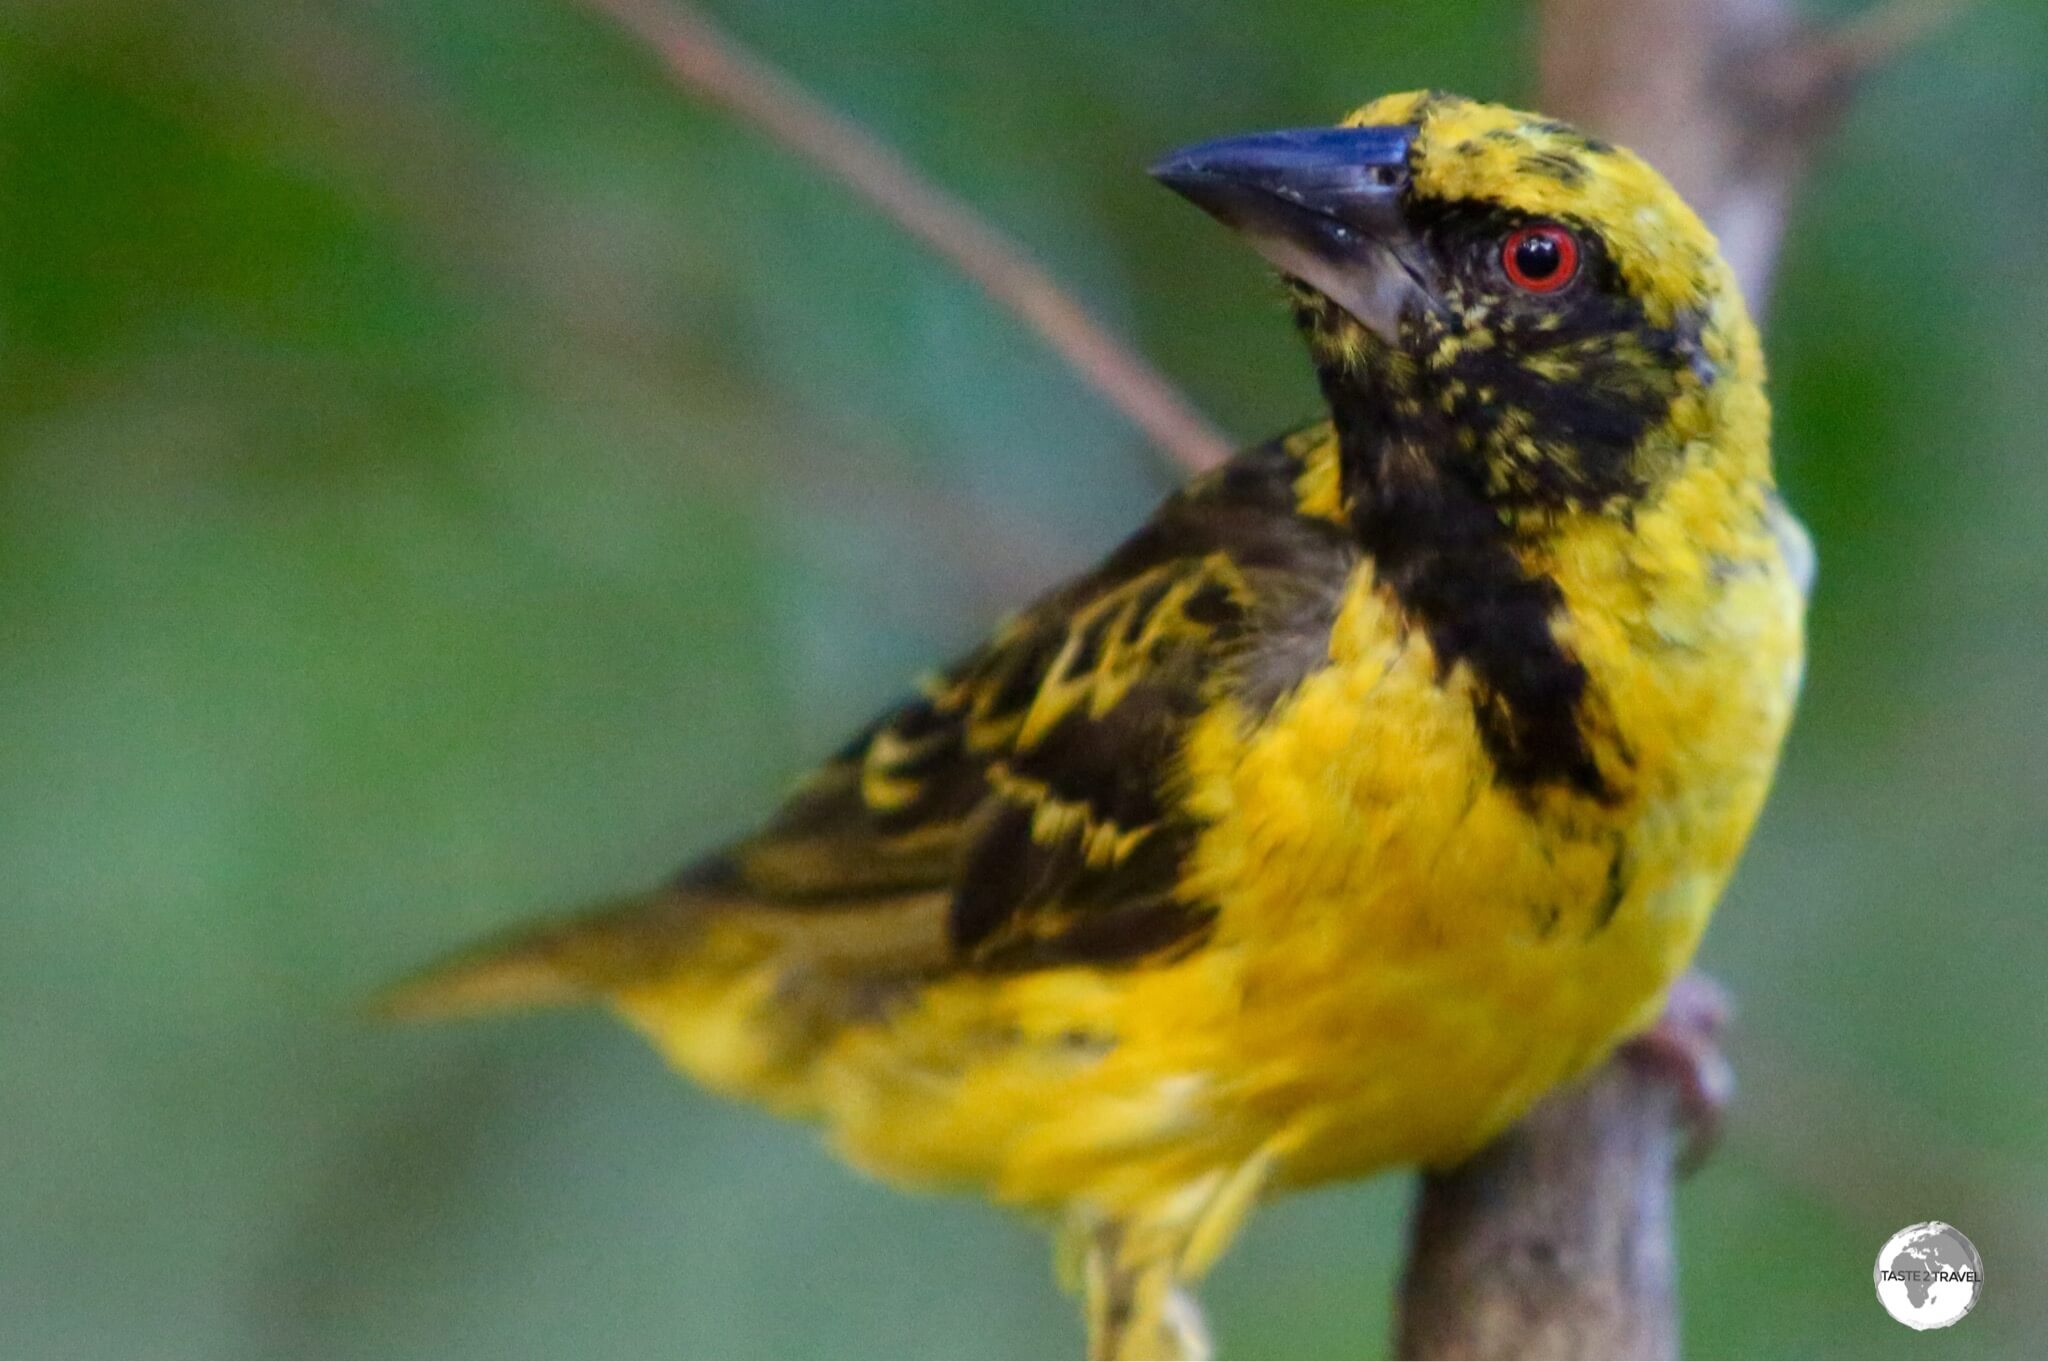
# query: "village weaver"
(1381, 782)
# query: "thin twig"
(567, 323)
(710, 65)
(1880, 33)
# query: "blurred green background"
(446, 475)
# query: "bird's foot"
(1139, 1309)
(1184, 1329)
(1684, 1049)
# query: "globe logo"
(1929, 1275)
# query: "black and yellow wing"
(1019, 811)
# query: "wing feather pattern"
(1023, 799)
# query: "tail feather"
(564, 962)
(621, 946)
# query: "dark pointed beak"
(1326, 205)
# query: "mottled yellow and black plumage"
(1383, 780)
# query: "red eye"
(1540, 259)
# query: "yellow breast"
(1419, 950)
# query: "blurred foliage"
(444, 475)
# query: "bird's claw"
(1684, 1049)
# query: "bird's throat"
(1448, 556)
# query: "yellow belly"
(1407, 953)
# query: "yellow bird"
(1382, 781)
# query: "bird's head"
(1496, 298)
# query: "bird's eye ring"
(1542, 258)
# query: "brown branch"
(1522, 1252)
(708, 64)
(1555, 1241)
